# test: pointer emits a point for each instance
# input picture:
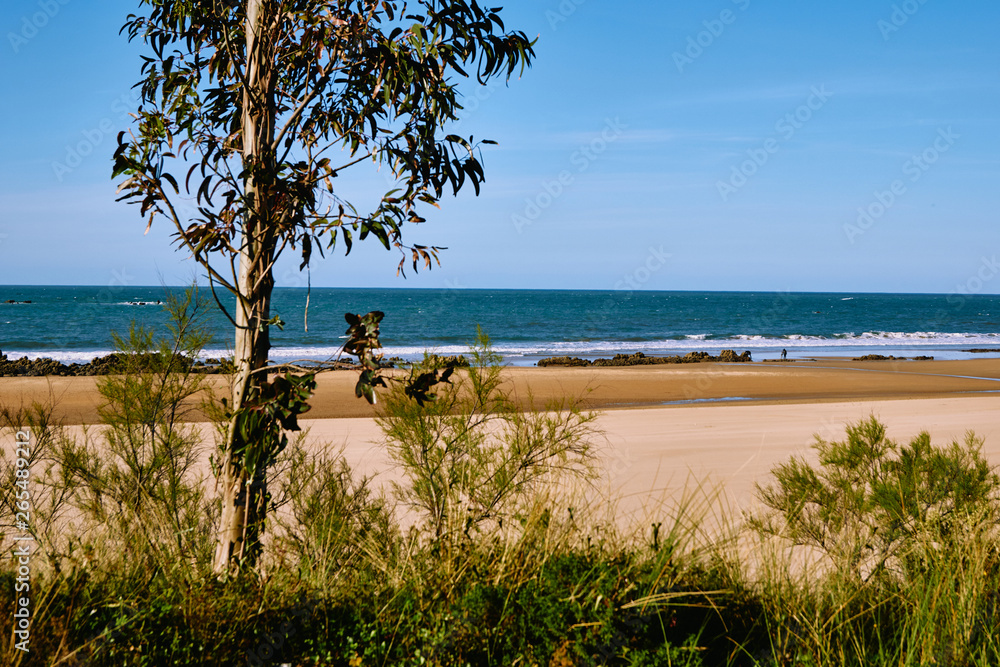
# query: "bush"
(470, 455)
(910, 537)
(871, 503)
(139, 481)
(336, 521)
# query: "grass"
(493, 549)
(346, 585)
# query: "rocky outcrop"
(882, 357)
(640, 359)
(106, 365)
(115, 363)
(731, 357)
(565, 361)
(439, 361)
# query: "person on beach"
(784, 354)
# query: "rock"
(640, 359)
(106, 365)
(636, 359)
(437, 361)
(563, 361)
(878, 357)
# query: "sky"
(748, 145)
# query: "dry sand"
(659, 453)
(652, 449)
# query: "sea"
(74, 323)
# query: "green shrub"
(910, 539)
(872, 505)
(138, 480)
(336, 522)
(470, 456)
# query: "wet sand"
(827, 380)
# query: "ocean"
(73, 324)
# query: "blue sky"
(722, 145)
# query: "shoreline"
(701, 386)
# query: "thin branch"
(297, 113)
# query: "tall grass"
(904, 540)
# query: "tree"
(245, 105)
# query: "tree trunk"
(244, 492)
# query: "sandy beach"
(667, 428)
(666, 386)
(718, 451)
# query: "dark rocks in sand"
(878, 357)
(637, 359)
(728, 356)
(640, 359)
(106, 365)
(439, 361)
(116, 363)
(564, 361)
(33, 367)
(982, 350)
(882, 357)
(731, 357)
